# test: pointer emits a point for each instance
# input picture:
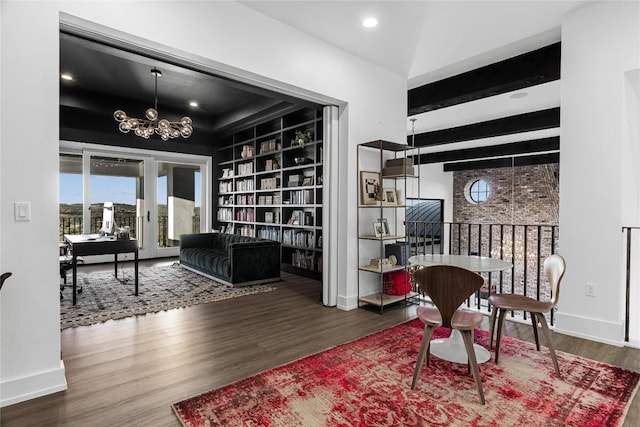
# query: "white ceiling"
(430, 40)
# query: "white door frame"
(98, 32)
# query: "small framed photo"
(385, 226)
(308, 180)
(389, 196)
(378, 229)
(369, 187)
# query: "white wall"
(600, 43)
(217, 34)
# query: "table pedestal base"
(452, 349)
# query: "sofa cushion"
(215, 262)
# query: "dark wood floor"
(128, 372)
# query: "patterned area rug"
(368, 383)
(159, 288)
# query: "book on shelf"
(245, 168)
(271, 165)
(296, 218)
(271, 233)
(269, 146)
(269, 183)
(302, 259)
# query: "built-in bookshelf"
(269, 185)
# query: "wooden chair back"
(554, 268)
(448, 287)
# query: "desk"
(452, 348)
(94, 244)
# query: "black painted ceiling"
(107, 78)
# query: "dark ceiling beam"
(512, 149)
(527, 122)
(529, 69)
(505, 162)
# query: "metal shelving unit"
(370, 293)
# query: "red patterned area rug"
(368, 383)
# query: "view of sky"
(111, 188)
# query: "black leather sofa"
(230, 258)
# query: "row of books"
(245, 199)
(299, 217)
(303, 239)
(244, 185)
(303, 259)
(269, 199)
(245, 230)
(272, 217)
(301, 197)
(269, 146)
(225, 214)
(271, 233)
(225, 186)
(246, 215)
(245, 168)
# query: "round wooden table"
(452, 348)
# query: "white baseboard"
(597, 330)
(26, 388)
(347, 303)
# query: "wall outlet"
(590, 289)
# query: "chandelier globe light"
(145, 128)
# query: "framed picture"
(369, 187)
(385, 225)
(378, 229)
(308, 180)
(389, 196)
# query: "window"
(479, 191)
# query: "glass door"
(121, 181)
(179, 195)
(158, 196)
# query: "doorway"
(156, 196)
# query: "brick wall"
(534, 193)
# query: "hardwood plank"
(129, 371)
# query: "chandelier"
(147, 127)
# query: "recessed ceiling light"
(519, 95)
(66, 76)
(193, 104)
(370, 22)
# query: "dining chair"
(448, 287)
(554, 268)
(4, 277)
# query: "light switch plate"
(22, 211)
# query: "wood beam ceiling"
(505, 162)
(517, 148)
(519, 72)
(529, 69)
(537, 120)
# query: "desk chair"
(554, 268)
(66, 264)
(448, 287)
(4, 277)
